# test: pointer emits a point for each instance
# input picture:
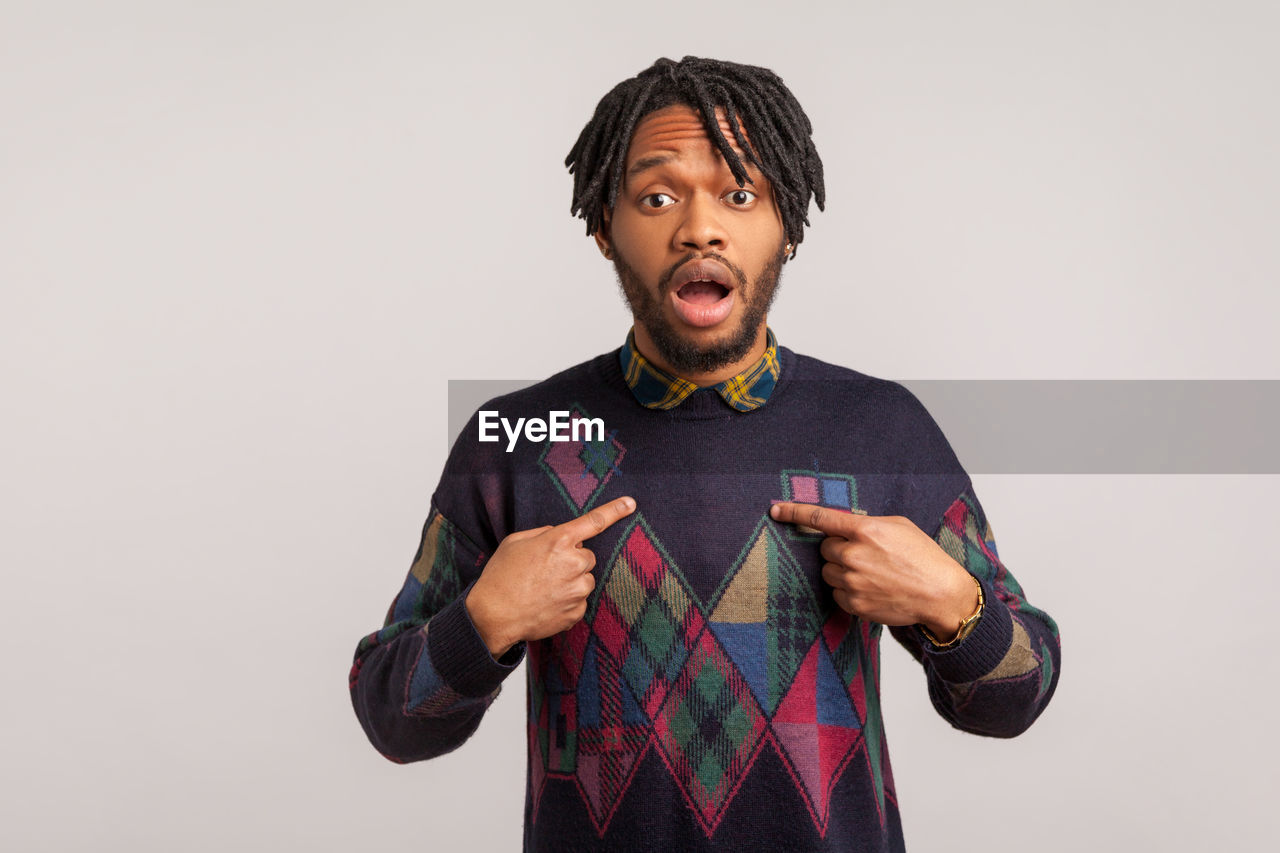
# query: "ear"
(601, 236)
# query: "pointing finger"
(829, 521)
(596, 521)
(527, 534)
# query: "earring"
(789, 249)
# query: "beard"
(683, 355)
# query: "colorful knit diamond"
(766, 603)
(645, 617)
(580, 469)
(709, 729)
(612, 735)
(816, 729)
(553, 699)
(854, 647)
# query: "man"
(701, 574)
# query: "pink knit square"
(804, 489)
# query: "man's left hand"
(886, 569)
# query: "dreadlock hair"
(781, 136)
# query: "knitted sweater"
(714, 696)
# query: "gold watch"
(966, 627)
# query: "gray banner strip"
(1060, 426)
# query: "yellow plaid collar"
(657, 389)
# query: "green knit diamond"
(710, 772)
(657, 633)
(709, 727)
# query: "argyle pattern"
(766, 603)
(709, 729)
(966, 536)
(613, 735)
(581, 469)
(658, 669)
(854, 646)
(433, 582)
(713, 694)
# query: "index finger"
(830, 521)
(597, 520)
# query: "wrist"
(488, 624)
(953, 614)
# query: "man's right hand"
(537, 582)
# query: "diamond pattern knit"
(713, 696)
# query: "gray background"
(244, 245)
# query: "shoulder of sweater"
(836, 379)
(910, 442)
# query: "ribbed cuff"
(460, 656)
(981, 651)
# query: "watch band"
(966, 627)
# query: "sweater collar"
(654, 388)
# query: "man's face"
(698, 257)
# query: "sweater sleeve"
(999, 679)
(421, 684)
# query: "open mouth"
(702, 292)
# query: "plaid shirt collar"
(657, 389)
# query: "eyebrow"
(645, 163)
(648, 163)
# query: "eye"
(740, 198)
(656, 200)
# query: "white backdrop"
(244, 245)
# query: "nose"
(700, 227)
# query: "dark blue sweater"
(714, 696)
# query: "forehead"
(675, 130)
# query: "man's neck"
(644, 344)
